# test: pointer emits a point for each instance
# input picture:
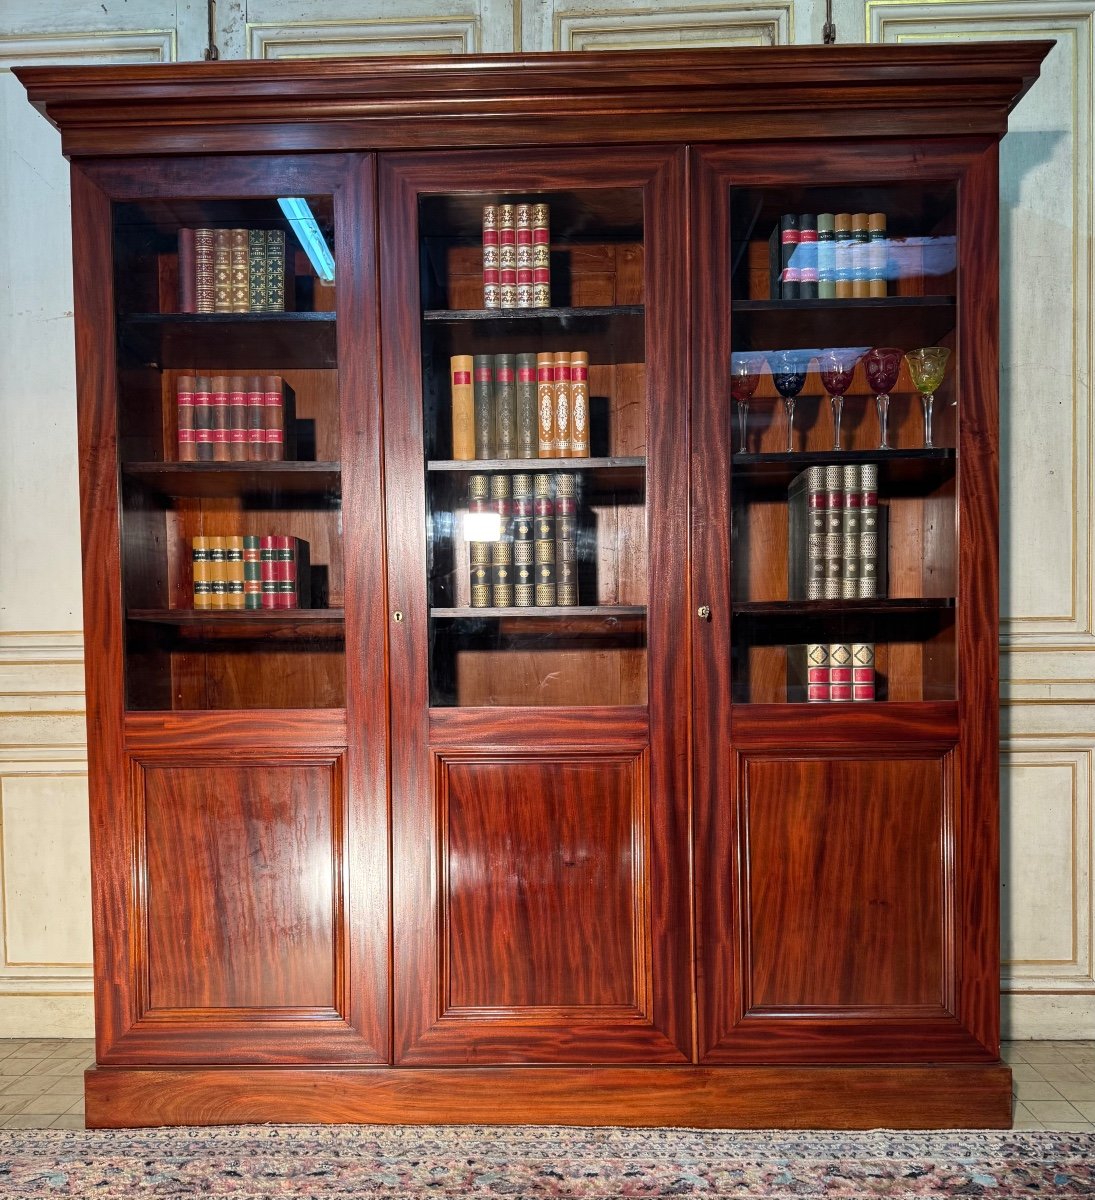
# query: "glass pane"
(228, 435)
(534, 411)
(842, 401)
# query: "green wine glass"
(927, 366)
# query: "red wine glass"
(837, 366)
(882, 365)
(744, 376)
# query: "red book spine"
(203, 419)
(219, 401)
(285, 571)
(256, 419)
(237, 418)
(840, 671)
(274, 402)
(267, 555)
(188, 271)
(491, 292)
(184, 407)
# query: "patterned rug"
(515, 1163)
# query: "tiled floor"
(42, 1084)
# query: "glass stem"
(926, 403)
(743, 421)
(789, 405)
(882, 403)
(837, 404)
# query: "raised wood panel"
(242, 870)
(853, 920)
(543, 883)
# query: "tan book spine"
(222, 270)
(564, 431)
(842, 255)
(463, 407)
(219, 401)
(877, 255)
(240, 271)
(233, 560)
(218, 573)
(545, 405)
(579, 404)
(861, 271)
(201, 573)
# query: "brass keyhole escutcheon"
(704, 612)
(397, 616)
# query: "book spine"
(492, 296)
(256, 270)
(240, 279)
(219, 401)
(222, 270)
(544, 539)
(237, 418)
(849, 578)
(479, 552)
(521, 531)
(218, 572)
(877, 264)
(842, 255)
(481, 396)
(256, 419)
(807, 254)
(840, 671)
(788, 244)
(863, 679)
(233, 559)
(268, 572)
(527, 442)
(817, 520)
(545, 405)
(566, 539)
(202, 573)
(868, 531)
(203, 418)
(507, 256)
(541, 256)
(563, 426)
(505, 406)
(834, 526)
(184, 418)
(501, 550)
(826, 257)
(285, 572)
(273, 401)
(523, 222)
(204, 272)
(188, 271)
(463, 407)
(579, 404)
(275, 270)
(252, 572)
(861, 288)
(817, 672)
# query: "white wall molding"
(87, 47)
(459, 34)
(626, 26)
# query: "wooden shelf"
(287, 624)
(227, 480)
(597, 611)
(603, 474)
(813, 324)
(506, 316)
(895, 466)
(879, 606)
(233, 341)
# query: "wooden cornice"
(615, 97)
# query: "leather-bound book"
(507, 255)
(252, 572)
(868, 583)
(188, 271)
(843, 255)
(788, 263)
(527, 441)
(256, 270)
(256, 419)
(237, 418)
(826, 257)
(233, 561)
(566, 539)
(877, 255)
(292, 572)
(184, 418)
(280, 419)
(545, 405)
(840, 671)
(219, 402)
(505, 406)
(523, 221)
(463, 407)
(544, 540)
(491, 259)
(218, 572)
(203, 418)
(204, 274)
(479, 548)
(849, 517)
(541, 256)
(834, 531)
(807, 503)
(807, 256)
(863, 678)
(482, 395)
(222, 270)
(861, 270)
(808, 673)
(268, 572)
(579, 404)
(275, 270)
(201, 573)
(563, 413)
(522, 528)
(240, 282)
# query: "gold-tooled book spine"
(275, 270)
(233, 559)
(545, 405)
(201, 569)
(563, 427)
(252, 572)
(203, 418)
(566, 539)
(507, 255)
(237, 418)
(479, 552)
(241, 278)
(204, 271)
(492, 296)
(541, 256)
(544, 539)
(482, 389)
(256, 269)
(505, 406)
(524, 255)
(219, 402)
(579, 404)
(527, 441)
(218, 574)
(222, 270)
(463, 407)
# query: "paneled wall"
(1048, 635)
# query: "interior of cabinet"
(543, 657)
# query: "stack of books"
(522, 534)
(836, 543)
(516, 256)
(829, 256)
(242, 572)
(820, 672)
(235, 418)
(527, 405)
(231, 270)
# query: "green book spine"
(527, 420)
(252, 572)
(256, 269)
(482, 386)
(275, 270)
(826, 257)
(505, 406)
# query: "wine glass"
(837, 366)
(927, 366)
(883, 365)
(744, 377)
(789, 376)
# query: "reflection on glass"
(744, 376)
(927, 366)
(837, 366)
(882, 365)
(789, 376)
